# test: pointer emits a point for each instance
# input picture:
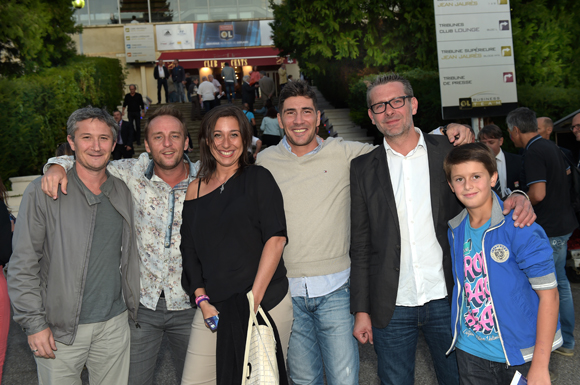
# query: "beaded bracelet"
(200, 299)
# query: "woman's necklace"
(224, 184)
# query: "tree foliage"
(399, 35)
(35, 34)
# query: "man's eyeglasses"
(575, 127)
(379, 108)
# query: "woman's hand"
(208, 310)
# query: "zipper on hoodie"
(489, 283)
(456, 301)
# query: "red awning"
(198, 58)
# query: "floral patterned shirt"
(157, 218)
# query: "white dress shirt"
(421, 277)
(502, 172)
(161, 72)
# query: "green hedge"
(37, 106)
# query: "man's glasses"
(395, 103)
(575, 127)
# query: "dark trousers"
(207, 105)
(195, 108)
(160, 83)
(121, 152)
(474, 370)
(135, 121)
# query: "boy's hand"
(524, 214)
(54, 176)
(538, 377)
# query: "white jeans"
(103, 347)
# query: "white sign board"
(139, 43)
(476, 60)
(174, 36)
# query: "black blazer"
(513, 168)
(156, 72)
(375, 235)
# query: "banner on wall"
(476, 61)
(228, 34)
(138, 41)
(174, 37)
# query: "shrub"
(38, 105)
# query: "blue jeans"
(230, 91)
(474, 370)
(560, 248)
(322, 333)
(396, 344)
(180, 93)
(146, 340)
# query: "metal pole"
(179, 9)
(149, 7)
(89, 10)
(119, 11)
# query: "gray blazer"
(375, 235)
(52, 244)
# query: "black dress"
(224, 232)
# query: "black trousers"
(135, 121)
(162, 82)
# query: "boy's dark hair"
(491, 131)
(297, 88)
(472, 152)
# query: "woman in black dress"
(232, 237)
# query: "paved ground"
(20, 368)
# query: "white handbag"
(260, 364)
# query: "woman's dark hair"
(272, 113)
(207, 160)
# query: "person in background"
(161, 74)
(267, 86)
(124, 145)
(251, 118)
(229, 75)
(248, 93)
(509, 165)
(206, 92)
(178, 76)
(266, 107)
(134, 102)
(272, 133)
(195, 103)
(218, 86)
(289, 78)
(63, 149)
(255, 77)
(545, 175)
(134, 20)
(232, 238)
(188, 80)
(575, 128)
(6, 227)
(282, 75)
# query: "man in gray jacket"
(74, 272)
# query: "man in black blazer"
(161, 73)
(509, 165)
(400, 258)
(124, 146)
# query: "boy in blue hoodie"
(505, 299)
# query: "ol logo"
(500, 253)
(465, 104)
(226, 32)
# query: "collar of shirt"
(319, 140)
(421, 143)
(534, 139)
